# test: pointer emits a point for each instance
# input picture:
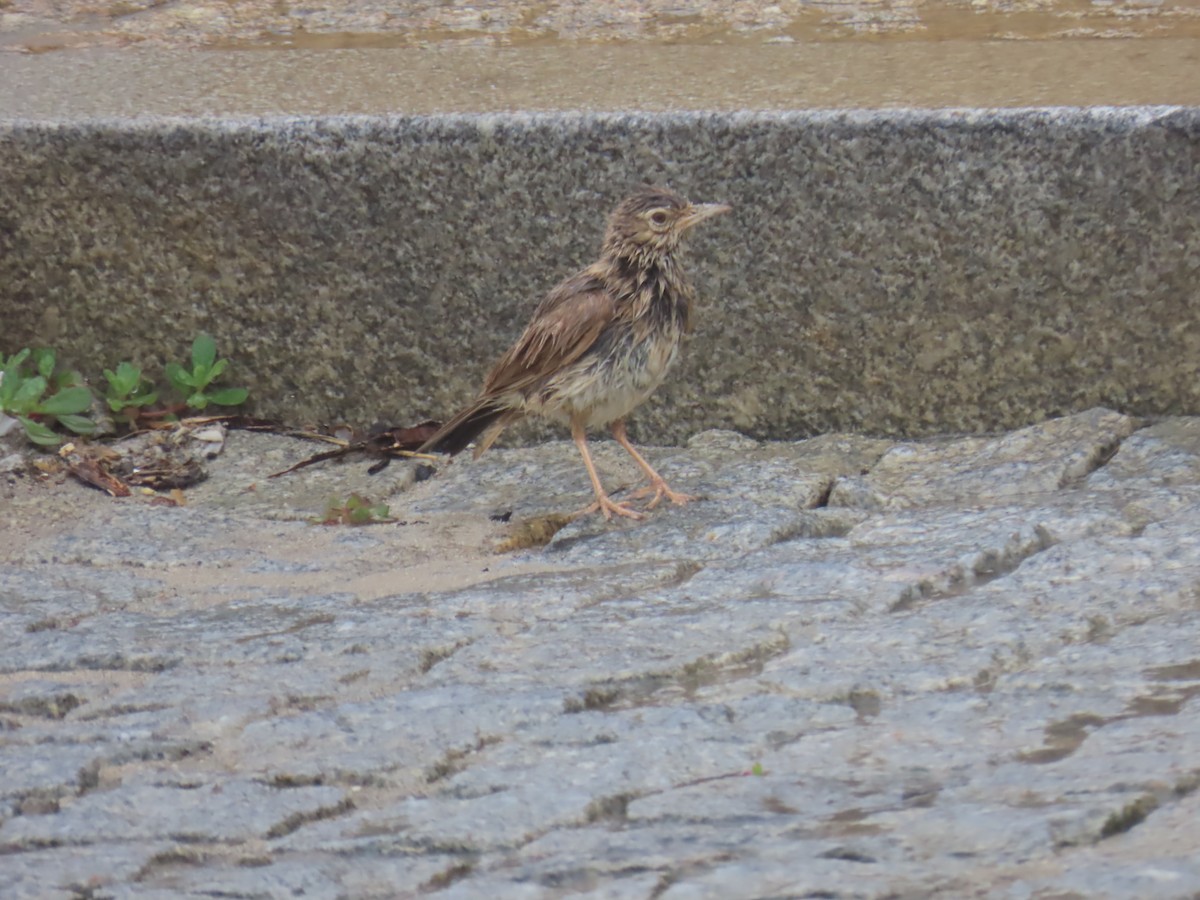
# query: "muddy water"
(258, 57)
(592, 76)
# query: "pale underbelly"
(601, 390)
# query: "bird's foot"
(608, 507)
(658, 487)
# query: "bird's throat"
(652, 288)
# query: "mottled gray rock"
(984, 681)
(13, 445)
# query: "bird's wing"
(567, 323)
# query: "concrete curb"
(900, 272)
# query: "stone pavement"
(856, 668)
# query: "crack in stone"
(55, 706)
(88, 778)
(187, 855)
(431, 656)
(38, 802)
(1097, 459)
(114, 662)
(447, 877)
(1189, 671)
(645, 690)
(1064, 737)
(1129, 816)
(990, 565)
(454, 760)
(299, 819)
(847, 854)
(120, 709)
(612, 808)
(294, 628)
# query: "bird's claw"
(608, 507)
(660, 490)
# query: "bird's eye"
(658, 218)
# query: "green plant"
(206, 368)
(23, 395)
(354, 510)
(128, 390)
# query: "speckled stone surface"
(898, 273)
(982, 682)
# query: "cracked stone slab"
(985, 678)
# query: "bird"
(598, 344)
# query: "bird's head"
(651, 222)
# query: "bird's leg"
(603, 503)
(657, 484)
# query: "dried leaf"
(91, 464)
(536, 532)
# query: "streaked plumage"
(599, 343)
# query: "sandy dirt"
(42, 25)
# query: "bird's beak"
(698, 212)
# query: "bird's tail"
(487, 415)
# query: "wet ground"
(40, 26)
(71, 60)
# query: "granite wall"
(897, 273)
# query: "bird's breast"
(631, 355)
(619, 375)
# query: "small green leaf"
(78, 424)
(128, 388)
(39, 433)
(43, 360)
(228, 396)
(204, 351)
(757, 769)
(127, 378)
(11, 379)
(218, 367)
(179, 377)
(142, 399)
(28, 393)
(67, 401)
(67, 379)
(198, 400)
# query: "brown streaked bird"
(598, 344)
